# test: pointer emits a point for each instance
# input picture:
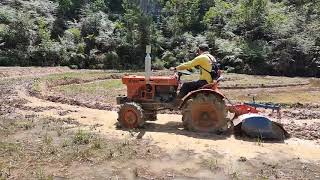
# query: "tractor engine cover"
(139, 89)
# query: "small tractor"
(202, 110)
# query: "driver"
(204, 62)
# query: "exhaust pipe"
(148, 64)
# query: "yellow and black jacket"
(205, 61)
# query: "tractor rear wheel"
(131, 116)
(205, 113)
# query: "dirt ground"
(42, 139)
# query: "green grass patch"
(82, 137)
(78, 76)
(289, 96)
(85, 75)
(95, 88)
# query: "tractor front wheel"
(131, 116)
(205, 113)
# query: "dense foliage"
(277, 37)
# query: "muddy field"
(52, 129)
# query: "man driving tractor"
(205, 62)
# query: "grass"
(26, 125)
(259, 141)
(82, 75)
(231, 79)
(99, 88)
(235, 176)
(281, 96)
(82, 137)
(9, 148)
(211, 163)
(53, 149)
(41, 175)
(8, 127)
(47, 139)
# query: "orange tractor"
(202, 110)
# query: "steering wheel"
(179, 73)
(184, 72)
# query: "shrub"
(158, 64)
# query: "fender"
(194, 93)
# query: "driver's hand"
(173, 69)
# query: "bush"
(158, 64)
(111, 60)
(73, 66)
(76, 33)
(169, 59)
(46, 55)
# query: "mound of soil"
(304, 131)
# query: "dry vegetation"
(36, 148)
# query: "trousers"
(191, 86)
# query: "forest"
(264, 37)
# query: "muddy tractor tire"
(205, 112)
(131, 116)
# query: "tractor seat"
(214, 84)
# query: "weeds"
(60, 131)
(41, 175)
(259, 141)
(47, 139)
(82, 138)
(65, 143)
(235, 176)
(97, 143)
(26, 125)
(48, 147)
(9, 148)
(212, 164)
(84, 154)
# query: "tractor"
(203, 110)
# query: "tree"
(181, 15)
